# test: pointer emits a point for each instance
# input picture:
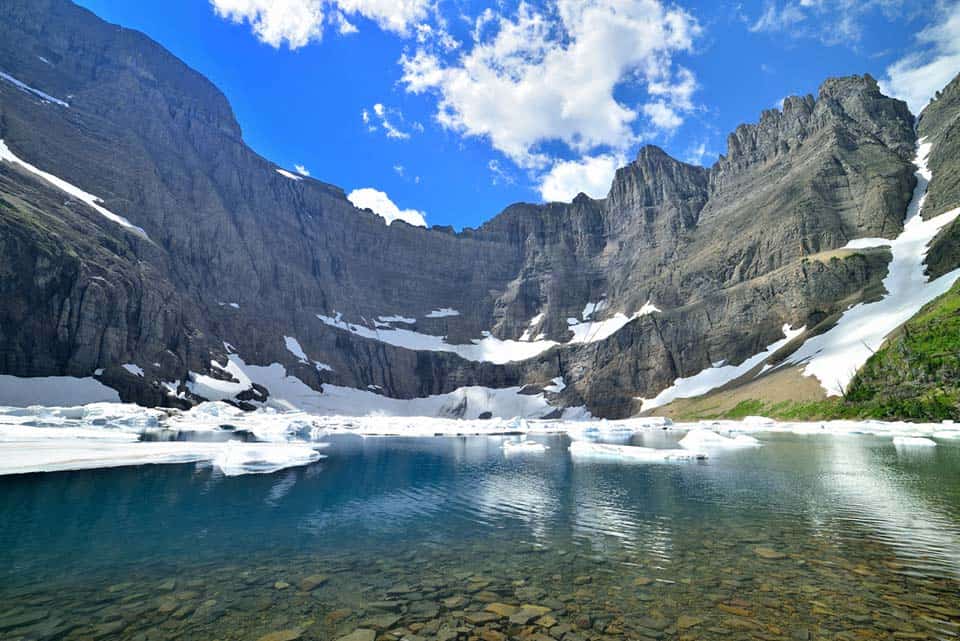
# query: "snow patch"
(53, 390)
(134, 369)
(531, 327)
(488, 349)
(72, 190)
(287, 174)
(836, 355)
(592, 308)
(293, 346)
(714, 377)
(397, 319)
(558, 385)
(36, 92)
(443, 312)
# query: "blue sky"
(455, 108)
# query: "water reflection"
(813, 535)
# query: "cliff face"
(235, 252)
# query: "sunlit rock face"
(235, 257)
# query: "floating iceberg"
(236, 458)
(605, 451)
(524, 447)
(702, 440)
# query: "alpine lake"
(804, 538)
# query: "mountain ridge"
(241, 254)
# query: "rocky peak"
(656, 183)
(851, 106)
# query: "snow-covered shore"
(38, 438)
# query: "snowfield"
(836, 355)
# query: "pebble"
(359, 634)
(768, 553)
(312, 582)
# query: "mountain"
(145, 246)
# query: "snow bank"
(36, 92)
(72, 190)
(53, 390)
(288, 393)
(836, 355)
(488, 349)
(631, 453)
(714, 377)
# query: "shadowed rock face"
(729, 254)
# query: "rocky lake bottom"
(807, 537)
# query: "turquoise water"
(805, 538)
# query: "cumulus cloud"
(917, 77)
(298, 22)
(380, 204)
(537, 77)
(303, 171)
(275, 22)
(591, 175)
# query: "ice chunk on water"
(262, 458)
(589, 450)
(524, 447)
(702, 440)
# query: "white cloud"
(591, 175)
(698, 154)
(384, 115)
(775, 19)
(380, 204)
(537, 77)
(303, 171)
(296, 23)
(916, 77)
(662, 115)
(500, 174)
(833, 22)
(399, 169)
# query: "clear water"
(805, 538)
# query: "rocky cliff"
(679, 268)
